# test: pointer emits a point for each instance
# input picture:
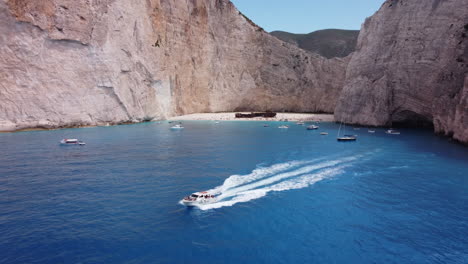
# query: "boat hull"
(189, 203)
(346, 139)
(196, 203)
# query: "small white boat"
(300, 123)
(312, 127)
(178, 126)
(324, 133)
(392, 132)
(199, 198)
(283, 127)
(72, 141)
(371, 131)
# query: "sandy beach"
(279, 116)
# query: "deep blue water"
(298, 197)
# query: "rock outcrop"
(72, 63)
(411, 67)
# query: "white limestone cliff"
(410, 67)
(70, 63)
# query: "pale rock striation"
(411, 67)
(72, 63)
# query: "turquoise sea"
(289, 195)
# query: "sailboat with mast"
(344, 138)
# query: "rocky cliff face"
(411, 67)
(67, 63)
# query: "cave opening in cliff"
(409, 118)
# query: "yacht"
(323, 133)
(300, 123)
(371, 131)
(345, 138)
(72, 141)
(392, 132)
(199, 198)
(178, 126)
(312, 127)
(283, 127)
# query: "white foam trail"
(261, 181)
(259, 173)
(278, 177)
(296, 183)
(281, 176)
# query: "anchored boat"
(72, 141)
(392, 132)
(312, 127)
(345, 138)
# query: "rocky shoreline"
(198, 116)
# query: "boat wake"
(276, 178)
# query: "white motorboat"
(392, 132)
(199, 198)
(178, 126)
(72, 141)
(312, 127)
(300, 123)
(371, 131)
(283, 127)
(323, 133)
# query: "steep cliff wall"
(67, 62)
(411, 66)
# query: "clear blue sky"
(304, 16)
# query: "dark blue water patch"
(299, 196)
